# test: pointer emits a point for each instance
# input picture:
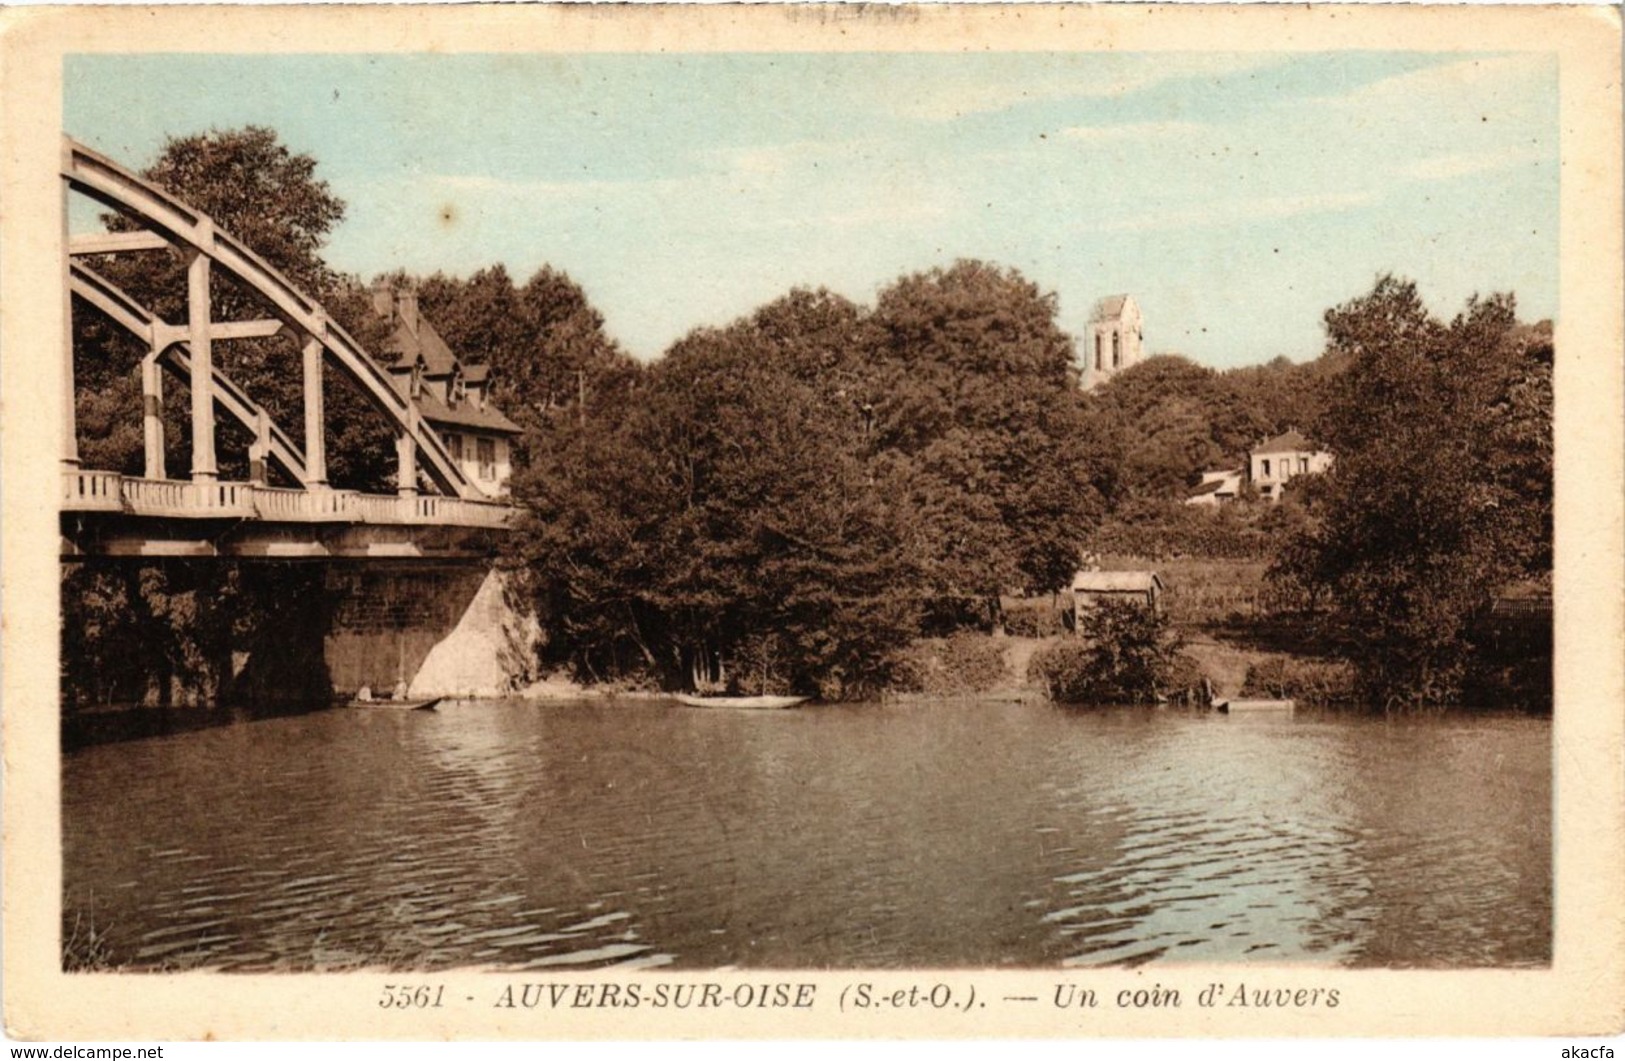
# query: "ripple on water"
(940, 835)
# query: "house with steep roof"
(453, 396)
(1115, 340)
(1276, 461)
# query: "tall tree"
(723, 528)
(1441, 490)
(545, 341)
(977, 429)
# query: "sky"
(1236, 196)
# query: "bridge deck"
(94, 491)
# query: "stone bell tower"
(1115, 341)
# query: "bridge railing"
(433, 508)
(94, 491)
(303, 506)
(84, 491)
(169, 497)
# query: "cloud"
(776, 160)
(1103, 77)
(1237, 212)
(552, 190)
(1465, 80)
(1133, 131)
(1466, 163)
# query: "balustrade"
(84, 491)
(94, 491)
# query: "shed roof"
(1116, 581)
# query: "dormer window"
(459, 390)
(416, 388)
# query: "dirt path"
(1224, 665)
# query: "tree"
(1441, 490)
(784, 496)
(545, 342)
(1175, 419)
(977, 431)
(721, 530)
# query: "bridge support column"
(443, 629)
(406, 453)
(260, 449)
(152, 417)
(204, 468)
(70, 438)
(315, 417)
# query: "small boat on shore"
(743, 703)
(399, 705)
(1238, 706)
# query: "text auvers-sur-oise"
(658, 996)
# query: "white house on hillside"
(1218, 487)
(1276, 461)
(1270, 466)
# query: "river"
(639, 833)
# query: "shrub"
(1310, 681)
(1033, 617)
(1125, 654)
(960, 665)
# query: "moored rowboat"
(1239, 706)
(750, 703)
(400, 705)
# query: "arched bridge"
(105, 512)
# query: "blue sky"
(1237, 196)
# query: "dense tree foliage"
(977, 430)
(1441, 493)
(1167, 419)
(787, 496)
(546, 344)
(722, 529)
(781, 504)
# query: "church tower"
(1115, 341)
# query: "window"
(459, 389)
(487, 449)
(1117, 349)
(1303, 464)
(417, 382)
(455, 444)
(1100, 361)
(1266, 474)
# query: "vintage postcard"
(795, 522)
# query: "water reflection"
(603, 833)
